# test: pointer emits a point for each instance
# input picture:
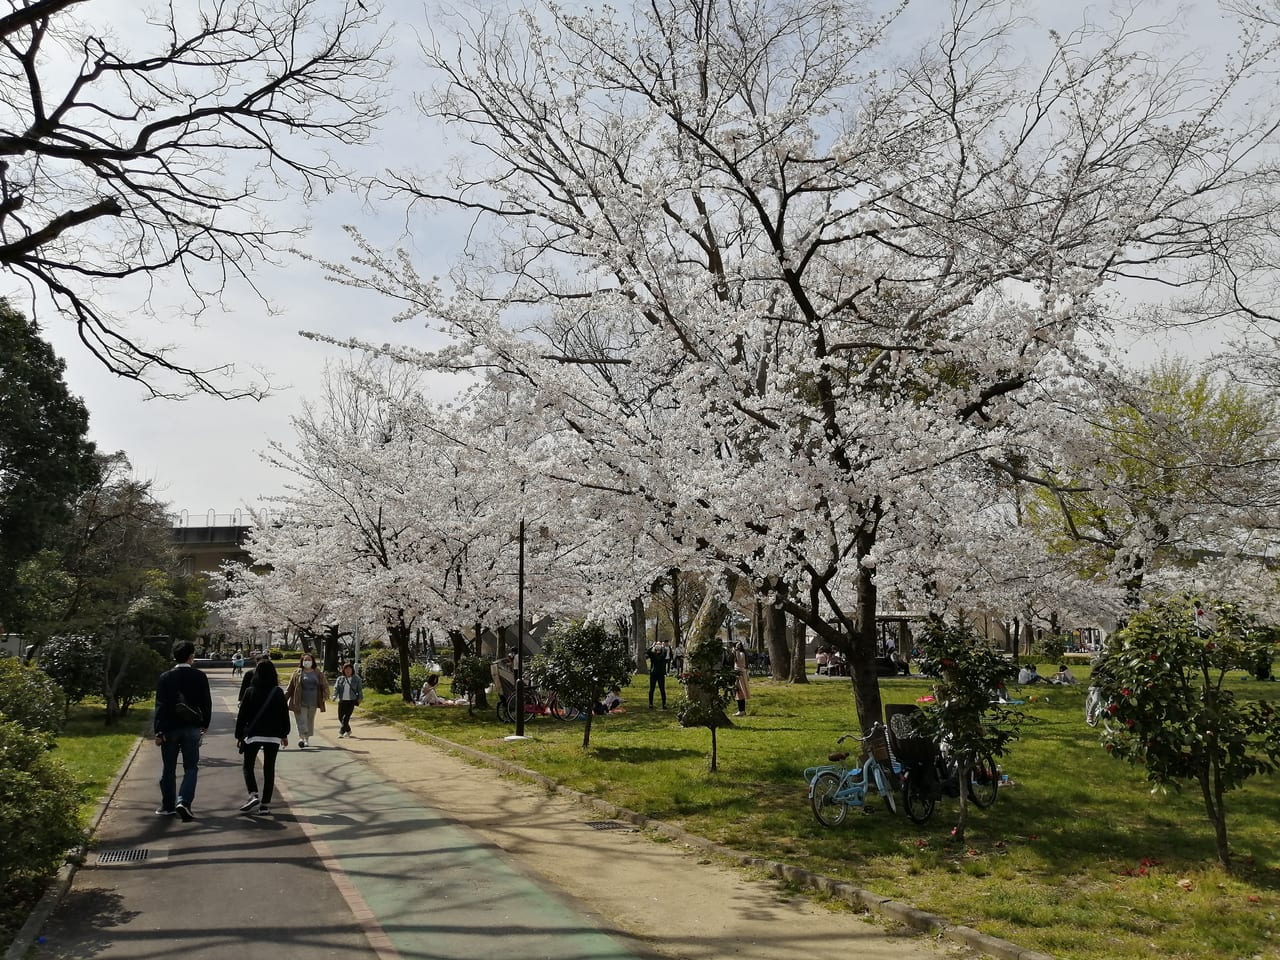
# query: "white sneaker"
(302, 744)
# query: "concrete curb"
(837, 889)
(61, 882)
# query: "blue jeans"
(184, 740)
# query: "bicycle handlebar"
(875, 727)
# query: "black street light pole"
(520, 637)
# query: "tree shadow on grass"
(642, 754)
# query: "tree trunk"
(331, 649)
(862, 655)
(800, 640)
(637, 629)
(675, 606)
(963, 776)
(780, 664)
(1211, 790)
(586, 727)
(398, 631)
(704, 657)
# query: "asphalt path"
(347, 865)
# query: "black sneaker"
(249, 805)
(263, 810)
(162, 812)
(184, 811)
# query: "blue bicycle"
(835, 787)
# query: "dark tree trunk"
(781, 666)
(862, 653)
(799, 649)
(332, 650)
(676, 625)
(399, 632)
(637, 628)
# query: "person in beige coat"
(307, 691)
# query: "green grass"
(1078, 859)
(93, 752)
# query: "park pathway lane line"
(379, 942)
(437, 889)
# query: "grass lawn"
(93, 751)
(1078, 858)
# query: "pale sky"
(202, 453)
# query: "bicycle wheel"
(561, 712)
(984, 782)
(882, 784)
(830, 813)
(503, 711)
(918, 801)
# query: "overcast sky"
(202, 453)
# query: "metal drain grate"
(123, 856)
(609, 825)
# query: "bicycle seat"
(837, 757)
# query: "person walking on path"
(184, 708)
(740, 668)
(658, 656)
(237, 664)
(349, 692)
(262, 724)
(247, 678)
(307, 692)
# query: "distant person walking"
(307, 692)
(237, 664)
(247, 679)
(740, 668)
(659, 655)
(349, 692)
(184, 708)
(262, 724)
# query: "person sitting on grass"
(612, 702)
(430, 695)
(1028, 674)
(1063, 676)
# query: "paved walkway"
(387, 848)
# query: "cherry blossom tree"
(773, 286)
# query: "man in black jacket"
(184, 707)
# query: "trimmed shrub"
(472, 678)
(39, 805)
(380, 669)
(30, 698)
(417, 677)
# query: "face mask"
(308, 663)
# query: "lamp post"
(520, 636)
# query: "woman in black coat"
(262, 724)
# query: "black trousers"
(345, 709)
(269, 751)
(659, 681)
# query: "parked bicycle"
(927, 772)
(835, 787)
(536, 704)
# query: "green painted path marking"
(436, 889)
